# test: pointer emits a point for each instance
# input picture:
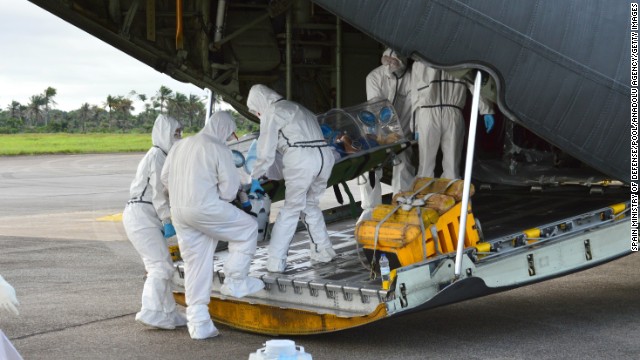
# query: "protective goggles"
(233, 137)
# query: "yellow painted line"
(113, 218)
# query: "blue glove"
(256, 188)
(488, 122)
(169, 230)
(243, 198)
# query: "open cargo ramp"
(545, 235)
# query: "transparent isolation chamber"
(361, 127)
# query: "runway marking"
(113, 218)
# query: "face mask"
(177, 136)
(255, 113)
(393, 65)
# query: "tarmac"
(79, 282)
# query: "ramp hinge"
(587, 249)
(403, 296)
(532, 266)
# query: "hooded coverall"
(438, 100)
(293, 131)
(391, 81)
(147, 208)
(202, 179)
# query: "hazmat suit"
(293, 131)
(438, 101)
(202, 179)
(7, 350)
(8, 300)
(9, 303)
(391, 81)
(143, 218)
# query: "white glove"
(8, 300)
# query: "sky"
(39, 50)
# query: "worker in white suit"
(8, 300)
(293, 131)
(147, 222)
(9, 303)
(202, 181)
(438, 100)
(391, 81)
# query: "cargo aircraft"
(551, 183)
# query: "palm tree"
(111, 104)
(96, 111)
(35, 103)
(48, 95)
(177, 105)
(142, 118)
(85, 113)
(163, 94)
(142, 97)
(124, 106)
(193, 107)
(15, 110)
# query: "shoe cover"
(198, 313)
(155, 319)
(323, 255)
(276, 265)
(203, 330)
(179, 319)
(241, 288)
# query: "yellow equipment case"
(400, 234)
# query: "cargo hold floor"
(501, 212)
(506, 211)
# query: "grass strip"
(39, 144)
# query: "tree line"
(113, 115)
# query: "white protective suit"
(294, 132)
(8, 300)
(438, 101)
(9, 303)
(391, 81)
(7, 350)
(202, 179)
(147, 208)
